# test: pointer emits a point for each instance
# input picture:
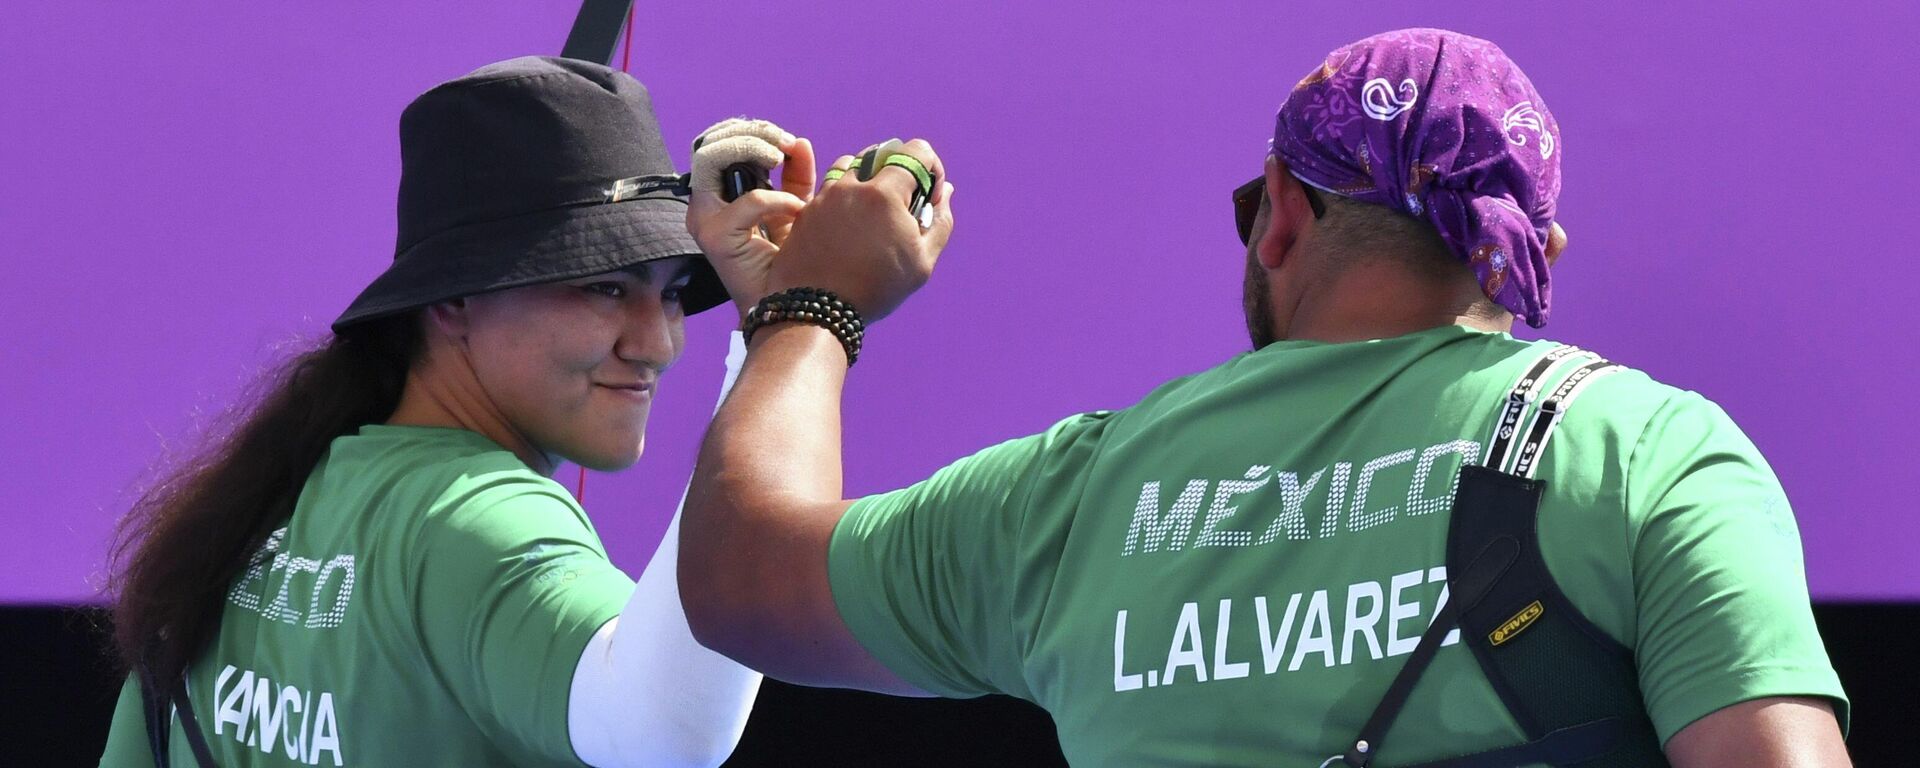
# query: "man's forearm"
(769, 471)
(778, 434)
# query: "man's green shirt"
(426, 605)
(1232, 570)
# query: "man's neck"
(1378, 301)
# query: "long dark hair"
(191, 532)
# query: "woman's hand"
(742, 238)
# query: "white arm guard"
(644, 692)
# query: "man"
(1242, 569)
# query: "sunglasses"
(1248, 197)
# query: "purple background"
(188, 188)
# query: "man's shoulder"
(1453, 364)
(1630, 403)
(1623, 397)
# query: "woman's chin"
(610, 459)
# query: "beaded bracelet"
(813, 306)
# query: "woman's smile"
(639, 391)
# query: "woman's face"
(573, 366)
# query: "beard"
(1256, 300)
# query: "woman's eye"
(673, 293)
(608, 289)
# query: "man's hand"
(741, 238)
(857, 238)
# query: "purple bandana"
(1447, 129)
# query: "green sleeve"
(938, 580)
(1722, 609)
(127, 736)
(511, 583)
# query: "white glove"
(733, 141)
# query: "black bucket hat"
(529, 171)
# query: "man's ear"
(449, 318)
(1556, 242)
(1286, 214)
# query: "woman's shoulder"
(443, 476)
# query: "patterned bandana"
(1445, 128)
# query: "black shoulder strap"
(1573, 690)
(196, 739)
(1526, 462)
(1522, 395)
(159, 717)
(160, 707)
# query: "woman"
(373, 567)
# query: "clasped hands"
(852, 236)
